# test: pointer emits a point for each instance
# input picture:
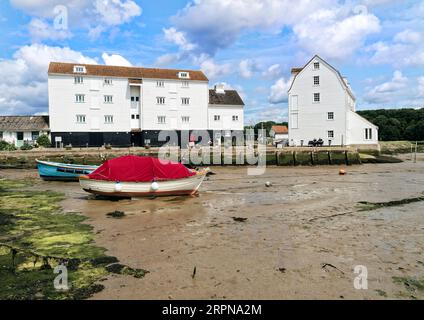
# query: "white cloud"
(40, 29)
(178, 38)
(390, 91)
(273, 72)
(212, 69)
(116, 12)
(248, 67)
(115, 60)
(279, 91)
(25, 91)
(409, 36)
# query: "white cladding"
(332, 118)
(100, 104)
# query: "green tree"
(44, 141)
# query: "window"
(135, 99)
(316, 65)
(160, 84)
(185, 101)
(137, 116)
(35, 135)
(184, 84)
(80, 118)
(80, 98)
(108, 99)
(316, 80)
(160, 100)
(1, 135)
(161, 119)
(108, 119)
(78, 80)
(368, 134)
(330, 134)
(185, 119)
(330, 115)
(79, 69)
(235, 118)
(217, 117)
(317, 97)
(20, 136)
(184, 75)
(107, 82)
(133, 116)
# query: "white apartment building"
(97, 104)
(322, 105)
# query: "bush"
(44, 141)
(5, 146)
(26, 146)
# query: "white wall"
(226, 112)
(11, 136)
(356, 130)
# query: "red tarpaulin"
(140, 169)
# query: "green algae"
(413, 285)
(36, 236)
(367, 206)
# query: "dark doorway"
(95, 139)
(136, 140)
(20, 136)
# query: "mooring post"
(416, 148)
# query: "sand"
(309, 217)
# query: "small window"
(235, 118)
(108, 119)
(185, 119)
(317, 97)
(217, 117)
(80, 118)
(161, 119)
(80, 98)
(330, 115)
(137, 116)
(160, 100)
(185, 84)
(316, 80)
(133, 116)
(108, 99)
(107, 82)
(160, 83)
(135, 99)
(35, 135)
(316, 65)
(330, 134)
(183, 75)
(368, 134)
(185, 101)
(79, 69)
(78, 80)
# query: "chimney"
(295, 71)
(219, 88)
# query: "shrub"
(44, 141)
(5, 146)
(26, 146)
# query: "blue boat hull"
(61, 171)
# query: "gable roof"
(280, 129)
(231, 97)
(297, 71)
(124, 72)
(24, 123)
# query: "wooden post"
(416, 148)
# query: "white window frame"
(160, 84)
(160, 100)
(161, 119)
(235, 118)
(107, 81)
(185, 101)
(79, 98)
(80, 69)
(108, 119)
(185, 119)
(332, 134)
(184, 75)
(81, 119)
(316, 65)
(78, 80)
(332, 116)
(316, 80)
(217, 117)
(185, 84)
(107, 98)
(319, 97)
(368, 133)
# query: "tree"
(44, 141)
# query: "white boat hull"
(185, 186)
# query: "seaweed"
(366, 206)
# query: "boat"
(62, 171)
(133, 177)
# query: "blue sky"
(250, 45)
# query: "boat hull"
(186, 186)
(61, 171)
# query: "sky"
(250, 45)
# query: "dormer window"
(316, 65)
(79, 69)
(183, 75)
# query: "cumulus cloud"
(248, 68)
(96, 16)
(178, 38)
(25, 91)
(273, 72)
(115, 60)
(212, 69)
(279, 91)
(388, 91)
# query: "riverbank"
(299, 238)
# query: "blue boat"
(62, 171)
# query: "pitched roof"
(280, 129)
(230, 97)
(24, 123)
(124, 72)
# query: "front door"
(95, 139)
(19, 139)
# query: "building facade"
(322, 106)
(19, 130)
(93, 105)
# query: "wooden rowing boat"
(62, 171)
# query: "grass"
(36, 236)
(413, 285)
(393, 147)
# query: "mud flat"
(299, 238)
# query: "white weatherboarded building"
(97, 104)
(322, 105)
